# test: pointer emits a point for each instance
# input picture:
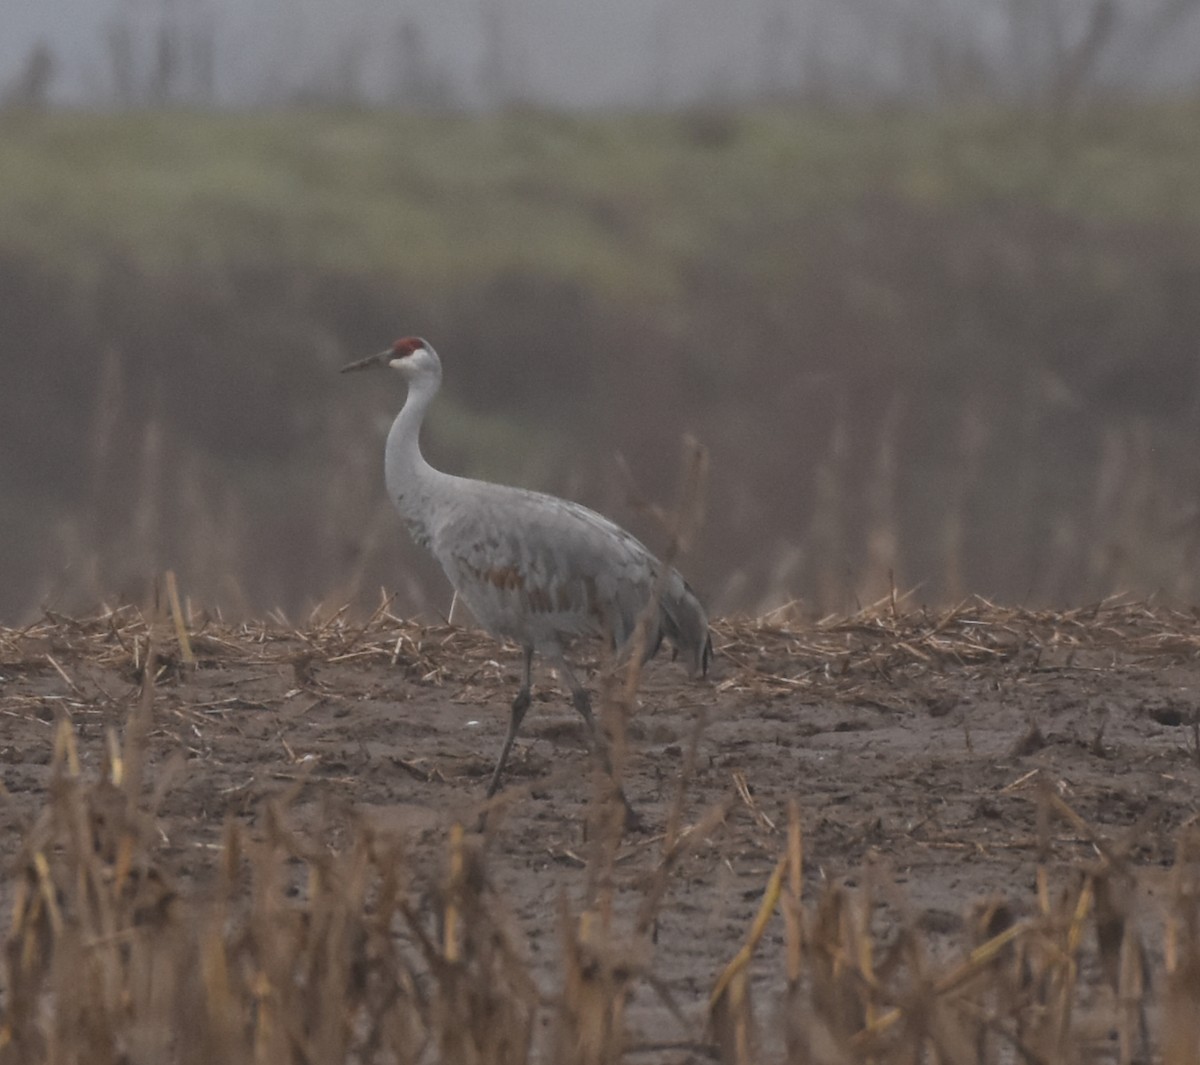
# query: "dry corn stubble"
(300, 951)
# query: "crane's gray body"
(542, 571)
(533, 568)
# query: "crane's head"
(412, 356)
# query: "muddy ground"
(914, 743)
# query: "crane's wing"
(540, 569)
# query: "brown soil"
(916, 746)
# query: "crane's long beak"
(370, 362)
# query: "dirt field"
(919, 747)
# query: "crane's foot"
(633, 820)
(600, 751)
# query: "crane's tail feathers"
(685, 624)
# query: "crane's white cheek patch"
(416, 353)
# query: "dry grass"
(300, 952)
(778, 649)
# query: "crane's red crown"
(406, 346)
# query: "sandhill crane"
(536, 569)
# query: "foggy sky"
(625, 53)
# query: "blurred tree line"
(912, 385)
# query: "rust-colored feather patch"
(507, 578)
(540, 601)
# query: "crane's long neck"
(410, 479)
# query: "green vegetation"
(613, 203)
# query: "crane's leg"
(580, 700)
(583, 703)
(519, 705)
